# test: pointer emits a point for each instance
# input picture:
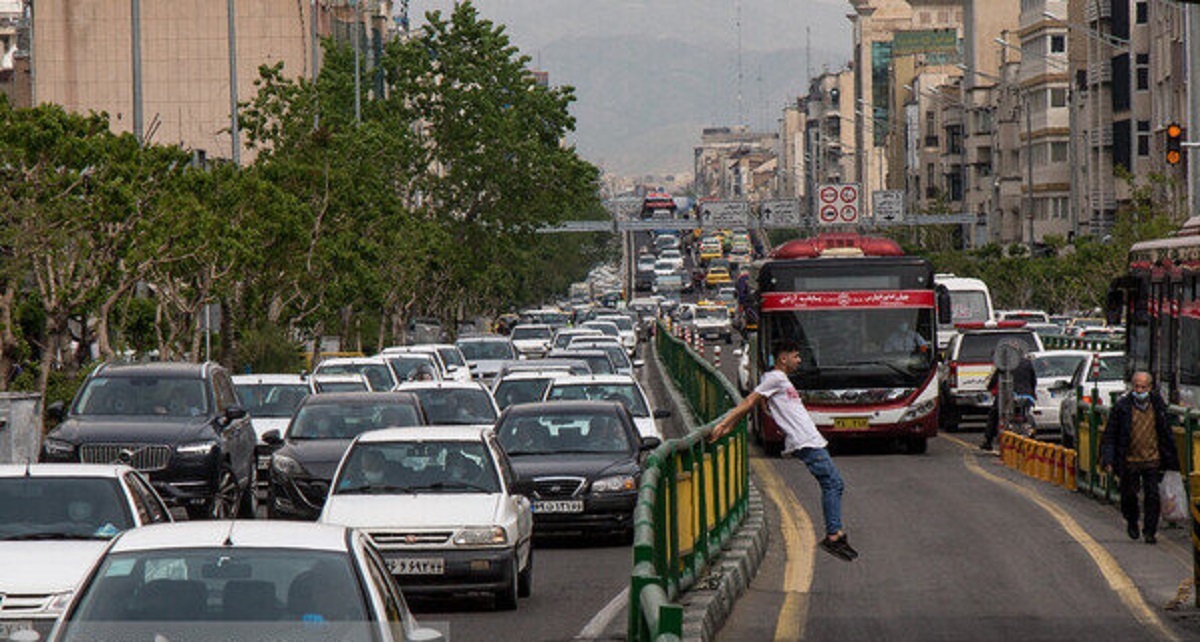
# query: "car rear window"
(981, 346)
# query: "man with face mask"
(1139, 446)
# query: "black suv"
(178, 423)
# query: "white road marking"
(600, 621)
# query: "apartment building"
(730, 163)
(82, 58)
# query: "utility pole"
(1028, 163)
(357, 67)
(236, 141)
(1192, 42)
(135, 18)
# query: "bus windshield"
(859, 348)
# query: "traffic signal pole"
(1192, 43)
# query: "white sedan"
(614, 387)
(437, 503)
(55, 521)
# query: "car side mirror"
(944, 312)
(233, 413)
(650, 443)
(56, 411)
(662, 414)
(272, 438)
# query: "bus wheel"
(916, 445)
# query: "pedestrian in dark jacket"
(1024, 382)
(1138, 445)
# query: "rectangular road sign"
(724, 214)
(779, 213)
(888, 206)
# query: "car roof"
(64, 470)
(484, 338)
(155, 368)
(564, 406)
(472, 432)
(1059, 353)
(352, 360)
(444, 384)
(583, 380)
(270, 379)
(331, 377)
(335, 398)
(237, 534)
(549, 373)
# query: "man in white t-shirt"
(801, 439)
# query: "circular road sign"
(849, 194)
(829, 194)
(849, 213)
(829, 214)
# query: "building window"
(1143, 13)
(1058, 97)
(1143, 138)
(1058, 152)
(1058, 44)
(1143, 78)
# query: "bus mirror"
(943, 305)
(1114, 307)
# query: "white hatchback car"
(438, 504)
(454, 402)
(241, 580)
(271, 400)
(376, 369)
(55, 521)
(623, 388)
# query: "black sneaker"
(1132, 530)
(838, 548)
(985, 446)
(1151, 539)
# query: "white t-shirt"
(789, 412)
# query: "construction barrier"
(1047, 462)
(692, 497)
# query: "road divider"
(692, 498)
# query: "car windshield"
(143, 396)
(271, 399)
(467, 406)
(565, 432)
(451, 356)
(348, 420)
(378, 374)
(403, 365)
(340, 386)
(563, 339)
(511, 391)
(487, 350)
(424, 466)
(715, 314)
(968, 306)
(1055, 365)
(623, 323)
(48, 508)
(530, 332)
(598, 362)
(177, 587)
(626, 393)
(609, 329)
(980, 347)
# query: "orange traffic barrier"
(1070, 468)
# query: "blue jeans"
(820, 464)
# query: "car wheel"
(525, 579)
(506, 598)
(225, 501)
(248, 506)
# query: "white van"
(970, 302)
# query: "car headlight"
(197, 448)
(614, 484)
(919, 410)
(58, 602)
(57, 448)
(285, 465)
(489, 536)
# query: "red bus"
(865, 315)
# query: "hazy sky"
(550, 32)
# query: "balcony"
(1097, 10)
(1099, 71)
(1102, 137)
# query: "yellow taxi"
(717, 275)
(710, 248)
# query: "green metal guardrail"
(693, 496)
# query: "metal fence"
(692, 497)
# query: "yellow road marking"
(798, 545)
(1118, 581)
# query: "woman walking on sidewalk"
(801, 439)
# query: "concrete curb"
(710, 601)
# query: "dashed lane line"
(1117, 579)
(799, 544)
(596, 626)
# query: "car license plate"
(850, 423)
(417, 566)
(9, 627)
(559, 506)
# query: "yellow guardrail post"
(1194, 506)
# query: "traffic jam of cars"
(171, 498)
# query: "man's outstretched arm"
(732, 417)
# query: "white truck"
(970, 302)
